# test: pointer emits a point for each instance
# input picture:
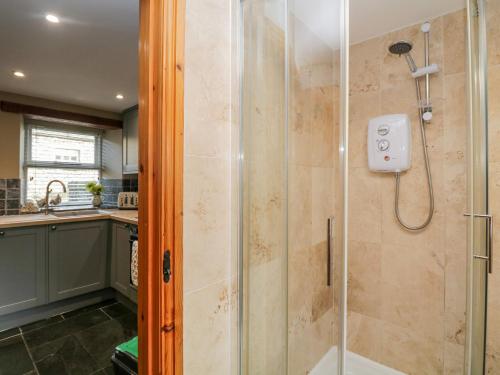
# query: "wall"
(406, 295)
(10, 145)
(209, 296)
(11, 142)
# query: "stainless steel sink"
(75, 213)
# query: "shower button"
(383, 130)
(383, 145)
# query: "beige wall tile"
(453, 359)
(208, 78)
(365, 206)
(206, 330)
(206, 213)
(364, 336)
(365, 278)
(406, 350)
(454, 42)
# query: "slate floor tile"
(116, 310)
(63, 328)
(85, 309)
(41, 323)
(14, 357)
(9, 333)
(65, 356)
(101, 340)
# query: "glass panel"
(492, 31)
(478, 175)
(406, 291)
(264, 189)
(290, 187)
(313, 167)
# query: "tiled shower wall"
(406, 295)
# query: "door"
(120, 258)
(480, 266)
(23, 268)
(77, 258)
(130, 141)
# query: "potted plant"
(95, 189)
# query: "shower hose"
(427, 170)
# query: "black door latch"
(167, 270)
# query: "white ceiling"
(369, 18)
(86, 59)
(92, 54)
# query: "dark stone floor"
(78, 342)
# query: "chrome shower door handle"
(489, 241)
(329, 247)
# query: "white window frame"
(28, 162)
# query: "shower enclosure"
(331, 282)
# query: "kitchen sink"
(75, 213)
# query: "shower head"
(400, 48)
(403, 48)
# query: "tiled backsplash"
(113, 186)
(10, 196)
(10, 192)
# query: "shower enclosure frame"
(477, 228)
(479, 246)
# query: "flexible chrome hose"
(427, 169)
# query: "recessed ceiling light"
(18, 74)
(119, 96)
(52, 18)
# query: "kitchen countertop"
(16, 221)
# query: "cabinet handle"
(53, 227)
(2, 234)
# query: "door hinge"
(167, 270)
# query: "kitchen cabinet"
(77, 258)
(23, 268)
(120, 258)
(120, 261)
(131, 141)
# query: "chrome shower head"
(400, 48)
(403, 48)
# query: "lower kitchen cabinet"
(77, 258)
(120, 258)
(23, 268)
(120, 261)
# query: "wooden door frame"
(161, 118)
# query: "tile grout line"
(9, 337)
(30, 355)
(105, 313)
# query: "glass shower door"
(479, 219)
(290, 187)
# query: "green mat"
(130, 347)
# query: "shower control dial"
(383, 145)
(383, 130)
(389, 143)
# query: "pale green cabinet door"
(131, 141)
(23, 268)
(77, 258)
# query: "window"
(58, 152)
